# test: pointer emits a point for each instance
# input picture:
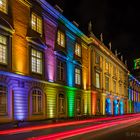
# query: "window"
(120, 75)
(60, 39)
(98, 105)
(36, 61)
(114, 86)
(97, 59)
(61, 104)
(78, 105)
(120, 89)
(60, 71)
(107, 83)
(97, 80)
(3, 6)
(114, 70)
(37, 101)
(78, 50)
(36, 23)
(77, 76)
(3, 100)
(107, 66)
(3, 49)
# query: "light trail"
(46, 126)
(88, 129)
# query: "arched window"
(61, 104)
(3, 100)
(37, 101)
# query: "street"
(119, 127)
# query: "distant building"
(136, 70)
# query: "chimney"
(75, 23)
(58, 8)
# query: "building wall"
(57, 98)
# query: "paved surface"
(131, 132)
(128, 133)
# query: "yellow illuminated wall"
(85, 66)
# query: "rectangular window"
(61, 39)
(77, 76)
(120, 89)
(114, 70)
(78, 105)
(3, 49)
(107, 66)
(61, 104)
(97, 59)
(97, 80)
(107, 83)
(78, 49)
(36, 23)
(3, 6)
(36, 61)
(60, 71)
(3, 100)
(114, 86)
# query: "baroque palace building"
(50, 69)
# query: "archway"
(115, 103)
(121, 107)
(108, 106)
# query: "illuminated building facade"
(44, 72)
(133, 95)
(136, 70)
(109, 80)
(47, 65)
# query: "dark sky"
(118, 20)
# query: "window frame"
(96, 56)
(96, 79)
(37, 18)
(78, 105)
(5, 10)
(37, 50)
(77, 82)
(59, 70)
(106, 77)
(78, 50)
(6, 100)
(37, 103)
(6, 50)
(59, 39)
(62, 106)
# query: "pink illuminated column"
(50, 29)
(93, 102)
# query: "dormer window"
(3, 49)
(61, 39)
(3, 6)
(78, 49)
(36, 23)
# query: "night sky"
(118, 20)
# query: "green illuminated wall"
(71, 102)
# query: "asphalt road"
(125, 133)
(119, 132)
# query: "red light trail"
(80, 131)
(46, 126)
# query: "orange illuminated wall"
(21, 19)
